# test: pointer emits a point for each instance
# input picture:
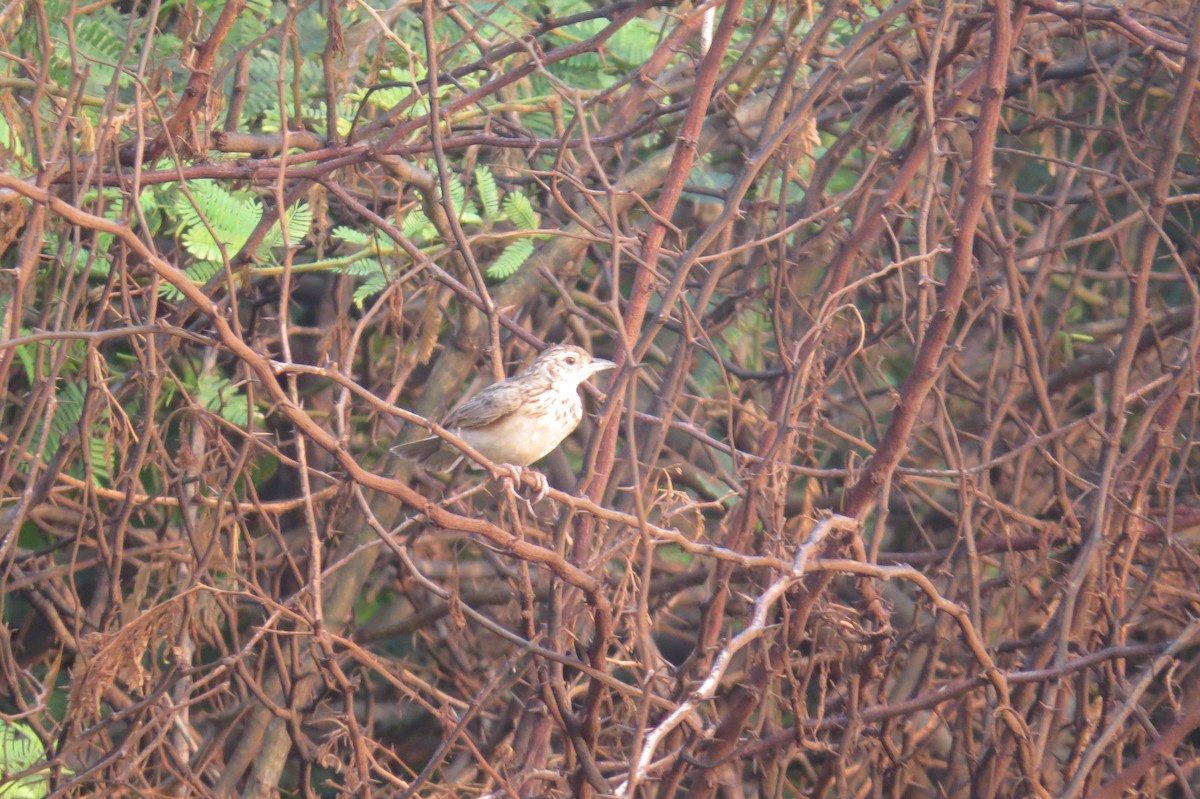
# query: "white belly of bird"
(528, 435)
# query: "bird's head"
(567, 366)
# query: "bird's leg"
(541, 487)
(510, 475)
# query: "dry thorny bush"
(891, 495)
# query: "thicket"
(892, 492)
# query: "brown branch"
(194, 95)
(265, 372)
(1115, 17)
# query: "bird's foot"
(541, 487)
(511, 477)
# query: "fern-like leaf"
(27, 354)
(218, 395)
(262, 90)
(634, 43)
(515, 254)
(375, 283)
(199, 273)
(352, 236)
(489, 195)
(458, 192)
(520, 211)
(20, 749)
(417, 226)
(99, 453)
(232, 218)
(200, 244)
(390, 97)
(70, 410)
(299, 220)
(364, 267)
(212, 202)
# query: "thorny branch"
(894, 493)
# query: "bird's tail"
(418, 450)
(432, 453)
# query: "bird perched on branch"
(519, 420)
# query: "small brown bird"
(519, 420)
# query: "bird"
(517, 421)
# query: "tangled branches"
(890, 494)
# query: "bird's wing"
(495, 401)
(418, 450)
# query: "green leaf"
(218, 395)
(232, 217)
(27, 353)
(153, 209)
(515, 254)
(458, 192)
(10, 143)
(96, 41)
(299, 220)
(520, 211)
(352, 236)
(370, 288)
(70, 409)
(364, 267)
(417, 226)
(199, 273)
(200, 244)
(389, 97)
(489, 195)
(70, 399)
(20, 749)
(634, 43)
(539, 124)
(262, 90)
(99, 453)
(374, 284)
(458, 199)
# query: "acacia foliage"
(891, 494)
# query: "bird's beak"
(600, 365)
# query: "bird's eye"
(571, 361)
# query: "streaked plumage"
(519, 420)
